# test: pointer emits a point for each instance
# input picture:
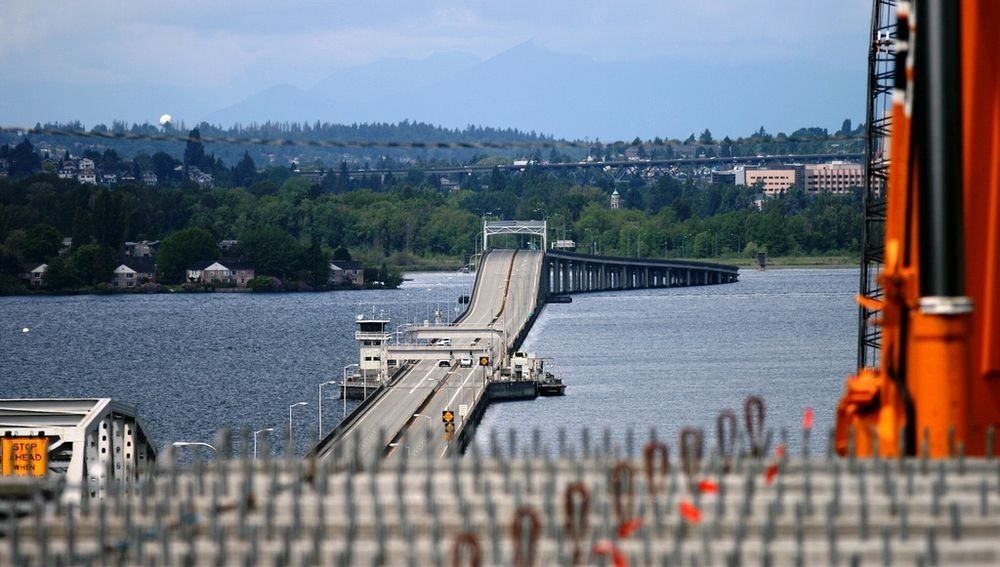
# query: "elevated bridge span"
(570, 272)
(435, 395)
(405, 414)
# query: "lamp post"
(291, 438)
(343, 389)
(194, 444)
(255, 433)
(430, 422)
(321, 406)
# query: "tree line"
(290, 225)
(316, 145)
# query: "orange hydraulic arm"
(937, 385)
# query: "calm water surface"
(676, 357)
(665, 358)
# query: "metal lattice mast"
(878, 122)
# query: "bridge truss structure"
(89, 442)
(532, 228)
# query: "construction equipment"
(935, 387)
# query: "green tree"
(245, 172)
(110, 161)
(23, 160)
(93, 263)
(61, 275)
(341, 254)
(315, 266)
(181, 249)
(163, 167)
(194, 151)
(706, 137)
(35, 244)
(271, 251)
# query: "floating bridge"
(428, 383)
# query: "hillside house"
(347, 272)
(133, 272)
(34, 274)
(227, 272)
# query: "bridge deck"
(505, 297)
(511, 287)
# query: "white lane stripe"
(459, 389)
(413, 389)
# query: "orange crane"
(935, 389)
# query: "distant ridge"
(567, 95)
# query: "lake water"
(192, 363)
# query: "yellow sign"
(484, 361)
(447, 416)
(24, 456)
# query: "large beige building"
(835, 177)
(772, 181)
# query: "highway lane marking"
(459, 389)
(429, 372)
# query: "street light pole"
(194, 444)
(255, 433)
(320, 433)
(430, 422)
(291, 438)
(343, 388)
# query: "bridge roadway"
(405, 415)
(662, 162)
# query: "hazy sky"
(229, 47)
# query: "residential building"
(616, 200)
(149, 179)
(133, 272)
(204, 180)
(34, 274)
(141, 249)
(227, 272)
(347, 272)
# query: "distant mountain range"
(526, 87)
